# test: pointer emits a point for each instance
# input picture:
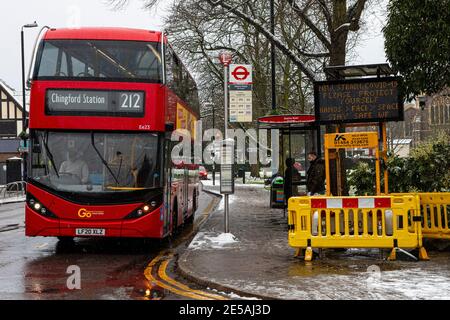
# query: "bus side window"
(48, 67)
(177, 76)
(62, 64)
(192, 92)
(149, 64)
(185, 85)
(78, 68)
(169, 67)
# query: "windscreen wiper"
(49, 154)
(103, 159)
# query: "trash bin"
(241, 174)
(277, 193)
(13, 170)
(2, 173)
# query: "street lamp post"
(24, 99)
(214, 127)
(273, 55)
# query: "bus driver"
(74, 165)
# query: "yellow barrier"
(435, 210)
(355, 222)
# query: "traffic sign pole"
(226, 99)
(227, 199)
(225, 59)
(227, 214)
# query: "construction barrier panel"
(435, 211)
(355, 222)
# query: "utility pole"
(24, 98)
(273, 55)
(214, 127)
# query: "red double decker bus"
(104, 102)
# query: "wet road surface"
(36, 268)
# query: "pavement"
(255, 260)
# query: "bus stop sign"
(226, 167)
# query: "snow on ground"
(413, 284)
(232, 295)
(210, 240)
(232, 199)
(250, 184)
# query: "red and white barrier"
(351, 203)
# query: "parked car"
(203, 174)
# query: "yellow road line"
(174, 286)
(200, 221)
(163, 275)
(206, 212)
(149, 276)
(155, 261)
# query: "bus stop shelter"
(299, 135)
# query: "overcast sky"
(66, 13)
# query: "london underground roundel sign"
(241, 74)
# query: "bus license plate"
(90, 232)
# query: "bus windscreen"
(96, 162)
(99, 60)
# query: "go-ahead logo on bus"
(87, 214)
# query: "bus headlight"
(146, 209)
(37, 207)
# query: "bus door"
(186, 191)
(168, 167)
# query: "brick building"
(423, 121)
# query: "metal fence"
(13, 190)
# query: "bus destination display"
(95, 102)
(355, 101)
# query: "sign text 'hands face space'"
(356, 101)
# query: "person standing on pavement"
(291, 179)
(315, 181)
